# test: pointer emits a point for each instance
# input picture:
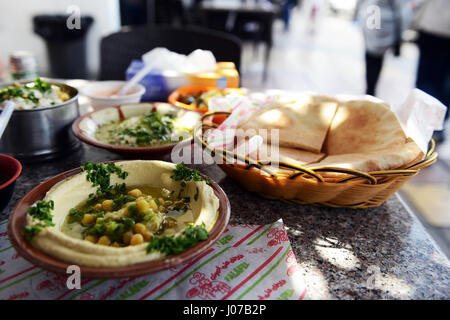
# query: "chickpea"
(136, 239)
(148, 236)
(88, 219)
(153, 205)
(104, 241)
(135, 193)
(142, 205)
(116, 244)
(139, 228)
(98, 207)
(91, 238)
(127, 237)
(107, 205)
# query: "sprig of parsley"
(42, 212)
(100, 175)
(41, 85)
(170, 245)
(182, 173)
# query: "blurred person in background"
(432, 21)
(287, 7)
(313, 8)
(381, 23)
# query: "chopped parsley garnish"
(42, 212)
(100, 175)
(31, 231)
(11, 92)
(113, 228)
(24, 91)
(154, 127)
(41, 85)
(170, 245)
(121, 199)
(182, 173)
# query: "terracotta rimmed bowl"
(10, 169)
(17, 222)
(175, 95)
(85, 126)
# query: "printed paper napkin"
(247, 262)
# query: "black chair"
(119, 49)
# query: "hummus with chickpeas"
(125, 222)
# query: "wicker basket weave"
(318, 186)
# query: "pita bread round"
(303, 124)
(363, 126)
(358, 134)
(387, 159)
(292, 156)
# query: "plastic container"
(225, 76)
(23, 65)
(159, 84)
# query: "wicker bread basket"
(318, 186)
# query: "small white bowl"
(94, 90)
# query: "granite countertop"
(377, 253)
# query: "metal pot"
(44, 133)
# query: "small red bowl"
(17, 223)
(10, 170)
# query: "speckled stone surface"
(379, 253)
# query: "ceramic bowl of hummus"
(119, 219)
(145, 129)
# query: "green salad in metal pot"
(33, 95)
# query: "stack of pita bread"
(322, 131)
